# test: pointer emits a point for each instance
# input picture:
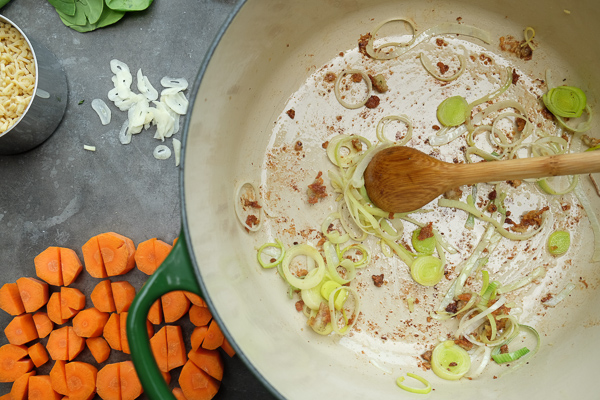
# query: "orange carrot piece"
(131, 388)
(199, 316)
(13, 363)
(166, 376)
(175, 241)
(116, 253)
(47, 266)
(70, 265)
(38, 354)
(161, 251)
(214, 337)
(178, 393)
(43, 324)
(10, 299)
(40, 388)
(123, 294)
(198, 336)
(6, 396)
(34, 293)
(112, 332)
(195, 299)
(102, 297)
(58, 344)
(81, 380)
(71, 302)
(176, 355)
(145, 258)
(92, 258)
(158, 343)
(123, 332)
(228, 348)
(174, 305)
(90, 322)
(20, 386)
(21, 330)
(155, 313)
(99, 348)
(54, 309)
(58, 376)
(75, 342)
(197, 384)
(108, 382)
(209, 361)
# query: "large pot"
(264, 53)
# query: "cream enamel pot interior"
(264, 54)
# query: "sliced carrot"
(197, 384)
(195, 299)
(70, 265)
(58, 377)
(214, 337)
(6, 396)
(175, 241)
(75, 342)
(198, 336)
(54, 309)
(108, 382)
(90, 322)
(71, 302)
(178, 393)
(176, 355)
(20, 386)
(21, 330)
(131, 388)
(158, 343)
(58, 344)
(145, 257)
(174, 305)
(34, 293)
(81, 380)
(99, 348)
(228, 348)
(92, 258)
(118, 253)
(47, 266)
(102, 297)
(13, 363)
(40, 388)
(209, 361)
(43, 324)
(155, 313)
(112, 332)
(123, 332)
(38, 354)
(166, 376)
(199, 316)
(123, 294)
(10, 299)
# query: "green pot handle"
(175, 273)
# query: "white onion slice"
(170, 91)
(162, 152)
(89, 148)
(102, 110)
(137, 113)
(177, 151)
(124, 133)
(180, 83)
(117, 66)
(145, 87)
(176, 102)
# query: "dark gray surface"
(58, 194)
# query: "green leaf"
(92, 9)
(108, 17)
(64, 6)
(76, 19)
(128, 5)
(3, 3)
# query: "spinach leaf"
(128, 5)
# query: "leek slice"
(560, 296)
(427, 270)
(431, 69)
(510, 357)
(410, 389)
(559, 242)
(348, 322)
(450, 361)
(383, 123)
(338, 93)
(453, 111)
(425, 246)
(565, 101)
(271, 264)
(314, 276)
(312, 297)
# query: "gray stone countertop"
(59, 194)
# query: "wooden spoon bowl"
(403, 179)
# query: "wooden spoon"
(403, 179)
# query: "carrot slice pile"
(43, 324)
(34, 293)
(47, 266)
(20, 387)
(10, 299)
(99, 348)
(209, 361)
(102, 297)
(197, 384)
(13, 362)
(38, 354)
(58, 377)
(90, 322)
(123, 295)
(71, 302)
(40, 388)
(81, 380)
(150, 254)
(70, 265)
(21, 330)
(174, 306)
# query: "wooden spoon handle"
(532, 167)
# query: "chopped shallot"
(102, 109)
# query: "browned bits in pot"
(339, 118)
(590, 141)
(442, 67)
(436, 127)
(378, 280)
(492, 208)
(325, 144)
(379, 83)
(427, 355)
(316, 190)
(252, 220)
(291, 113)
(372, 102)
(504, 349)
(299, 305)
(453, 194)
(464, 343)
(546, 297)
(356, 144)
(492, 195)
(452, 308)
(362, 44)
(426, 232)
(514, 183)
(452, 364)
(298, 146)
(511, 45)
(515, 77)
(441, 42)
(486, 59)
(251, 203)
(329, 77)
(521, 124)
(530, 219)
(356, 77)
